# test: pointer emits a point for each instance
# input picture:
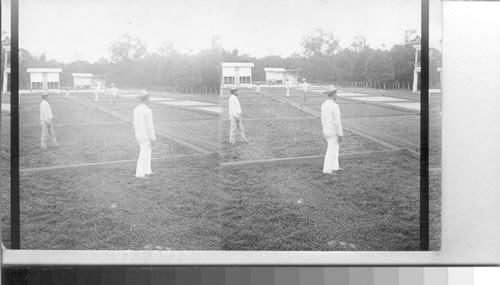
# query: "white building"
(86, 81)
(417, 69)
(82, 80)
(6, 70)
(236, 73)
(44, 78)
(280, 76)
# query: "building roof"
(237, 64)
(279, 69)
(274, 69)
(82, 74)
(44, 70)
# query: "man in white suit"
(332, 130)
(96, 92)
(46, 123)
(145, 134)
(234, 111)
(304, 88)
(114, 92)
(287, 86)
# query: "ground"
(209, 195)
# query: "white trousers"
(47, 132)
(236, 125)
(331, 162)
(96, 98)
(287, 92)
(144, 160)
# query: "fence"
(376, 85)
(187, 90)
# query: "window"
(53, 85)
(245, 80)
(228, 80)
(36, 85)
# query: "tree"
(379, 68)
(345, 61)
(166, 48)
(216, 43)
(26, 60)
(320, 43)
(359, 43)
(127, 47)
(403, 61)
(435, 61)
(209, 63)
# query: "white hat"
(142, 94)
(330, 90)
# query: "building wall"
(44, 80)
(274, 76)
(293, 78)
(100, 82)
(236, 75)
(228, 71)
(82, 82)
(245, 71)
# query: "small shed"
(87, 81)
(82, 80)
(44, 78)
(279, 76)
(99, 82)
(237, 73)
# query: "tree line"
(322, 61)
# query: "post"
(424, 130)
(15, 215)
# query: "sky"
(69, 30)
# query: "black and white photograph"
(227, 125)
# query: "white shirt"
(45, 111)
(234, 106)
(114, 90)
(330, 119)
(305, 86)
(258, 89)
(143, 123)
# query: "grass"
(406, 128)
(269, 110)
(110, 209)
(287, 138)
(63, 114)
(206, 130)
(198, 205)
(350, 109)
(85, 144)
(297, 207)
